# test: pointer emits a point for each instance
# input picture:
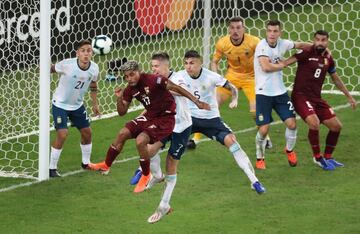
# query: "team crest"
(261, 118)
(325, 61)
(58, 120)
(147, 90)
(247, 52)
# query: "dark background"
(116, 18)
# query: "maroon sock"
(331, 141)
(145, 166)
(313, 136)
(111, 155)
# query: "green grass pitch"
(212, 194)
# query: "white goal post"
(138, 28)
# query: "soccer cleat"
(159, 214)
(269, 144)
(258, 187)
(154, 181)
(334, 162)
(321, 162)
(191, 144)
(292, 159)
(54, 173)
(260, 164)
(101, 166)
(141, 185)
(87, 166)
(137, 175)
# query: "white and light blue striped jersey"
(270, 83)
(204, 88)
(73, 83)
(183, 116)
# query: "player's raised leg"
(113, 151)
(142, 141)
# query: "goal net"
(139, 28)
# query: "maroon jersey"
(152, 93)
(311, 72)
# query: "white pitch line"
(12, 187)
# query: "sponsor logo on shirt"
(313, 59)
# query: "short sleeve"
(161, 81)
(220, 81)
(60, 67)
(127, 95)
(262, 50)
(218, 51)
(301, 55)
(332, 67)
(96, 73)
(178, 80)
(288, 45)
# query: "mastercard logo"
(154, 15)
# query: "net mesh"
(139, 28)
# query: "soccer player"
(76, 76)
(160, 64)
(313, 64)
(202, 83)
(157, 123)
(271, 92)
(238, 48)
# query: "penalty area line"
(12, 187)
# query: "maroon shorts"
(157, 128)
(306, 106)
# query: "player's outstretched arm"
(290, 61)
(340, 85)
(234, 94)
(178, 89)
(122, 106)
(93, 96)
(302, 45)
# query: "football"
(101, 44)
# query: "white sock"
(260, 146)
(170, 181)
(290, 136)
(155, 167)
(86, 153)
(54, 157)
(243, 161)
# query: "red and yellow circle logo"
(154, 15)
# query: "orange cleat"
(101, 166)
(260, 164)
(141, 185)
(292, 159)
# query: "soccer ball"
(101, 44)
